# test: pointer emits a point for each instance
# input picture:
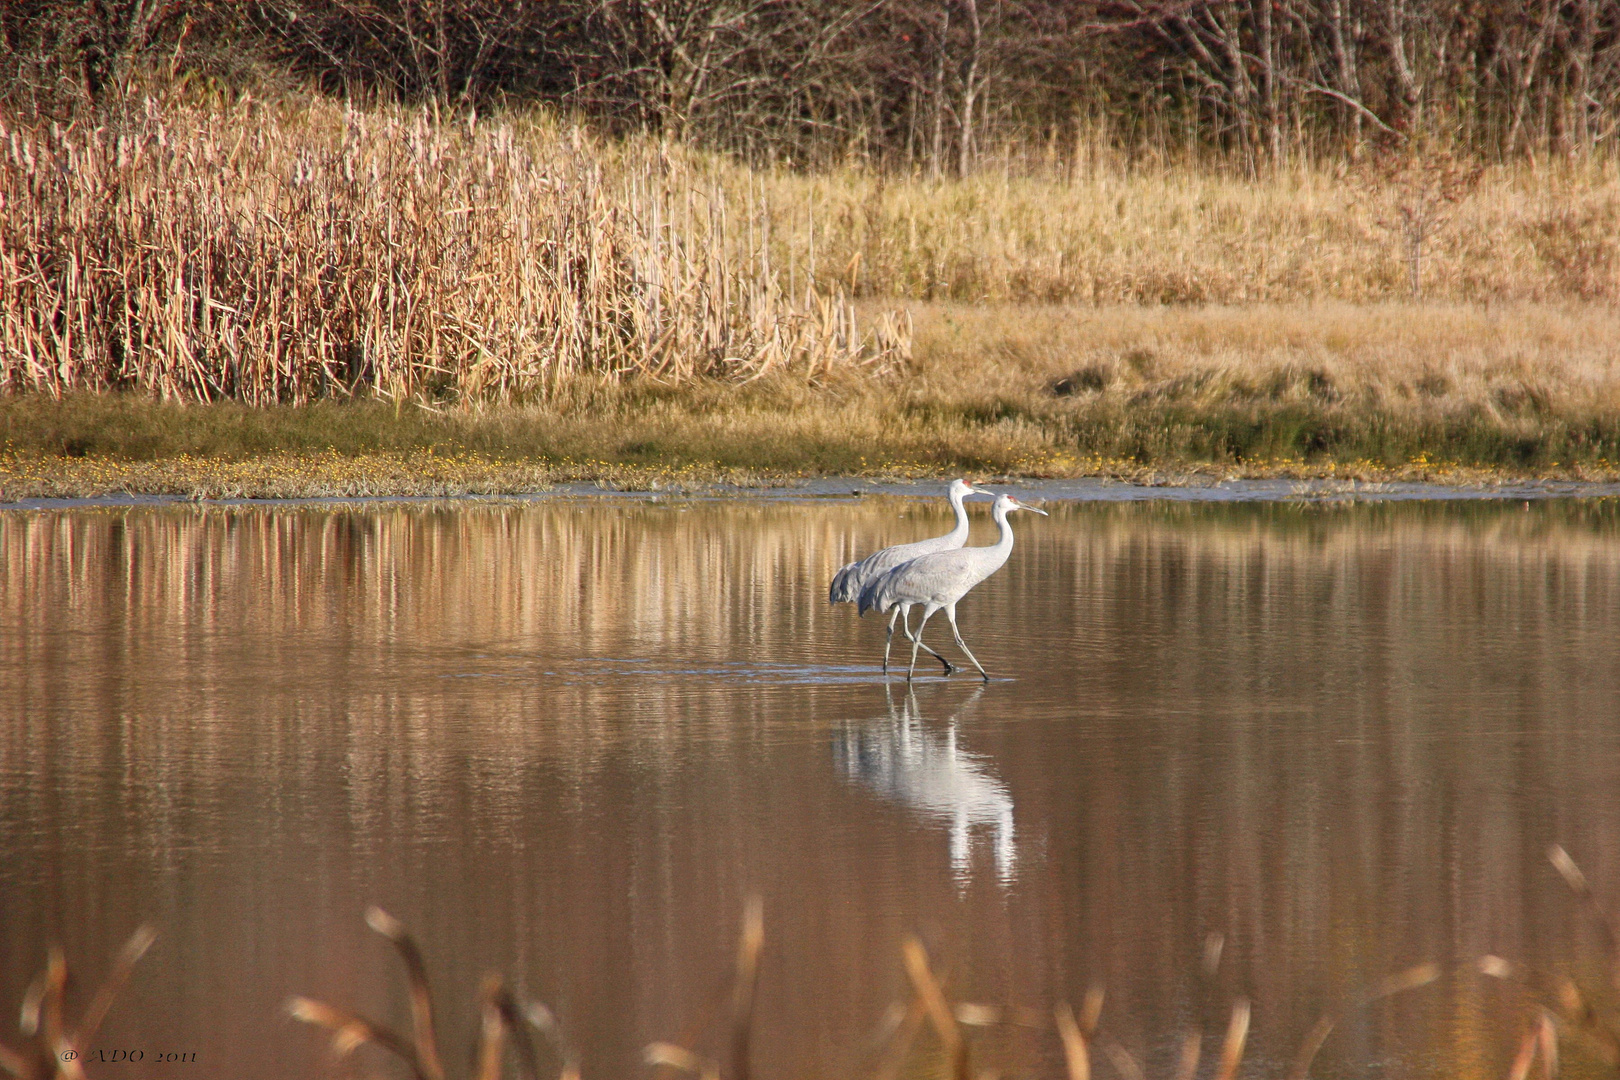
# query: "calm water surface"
(564, 740)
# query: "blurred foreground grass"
(1554, 1018)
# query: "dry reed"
(55, 1049)
(1556, 1003)
(293, 249)
(950, 1022)
(505, 1023)
(296, 249)
(286, 251)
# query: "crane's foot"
(948, 668)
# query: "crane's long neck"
(987, 560)
(958, 536)
(1004, 540)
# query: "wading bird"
(939, 580)
(848, 582)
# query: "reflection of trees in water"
(902, 759)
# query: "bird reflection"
(903, 759)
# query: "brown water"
(563, 740)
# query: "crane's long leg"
(928, 613)
(905, 622)
(903, 613)
(889, 637)
(950, 613)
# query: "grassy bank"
(1445, 392)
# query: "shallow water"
(564, 739)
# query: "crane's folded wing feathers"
(941, 576)
(846, 584)
(852, 580)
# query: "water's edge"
(1081, 490)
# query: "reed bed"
(285, 251)
(637, 303)
(296, 248)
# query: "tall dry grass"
(292, 249)
(1103, 231)
(297, 249)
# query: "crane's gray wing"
(938, 577)
(852, 580)
(846, 584)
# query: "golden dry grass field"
(297, 297)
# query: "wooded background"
(935, 86)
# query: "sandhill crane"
(939, 580)
(848, 582)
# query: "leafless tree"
(930, 82)
(58, 53)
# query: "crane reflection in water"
(905, 759)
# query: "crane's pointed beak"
(1032, 509)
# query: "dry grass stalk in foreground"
(283, 252)
(1556, 1001)
(503, 1021)
(506, 1025)
(744, 994)
(949, 1022)
(55, 1049)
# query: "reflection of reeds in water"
(642, 576)
(320, 596)
(54, 1048)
